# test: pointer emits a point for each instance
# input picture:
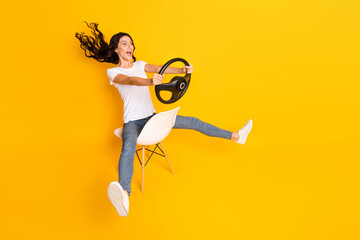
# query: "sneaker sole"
(115, 196)
(244, 140)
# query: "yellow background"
(291, 66)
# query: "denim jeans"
(132, 129)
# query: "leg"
(131, 131)
(142, 168)
(200, 126)
(166, 156)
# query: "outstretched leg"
(196, 124)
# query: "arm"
(156, 68)
(137, 81)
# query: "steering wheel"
(177, 86)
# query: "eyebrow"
(125, 41)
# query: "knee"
(195, 121)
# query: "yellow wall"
(291, 66)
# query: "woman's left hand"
(188, 69)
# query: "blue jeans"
(132, 129)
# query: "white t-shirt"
(137, 99)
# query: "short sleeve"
(111, 75)
(142, 64)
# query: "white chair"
(154, 131)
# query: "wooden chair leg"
(147, 154)
(142, 168)
(167, 158)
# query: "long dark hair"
(98, 48)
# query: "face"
(125, 48)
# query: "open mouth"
(129, 54)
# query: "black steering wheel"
(177, 86)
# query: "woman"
(130, 78)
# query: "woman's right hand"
(157, 79)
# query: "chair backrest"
(157, 128)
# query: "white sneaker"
(119, 198)
(244, 132)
